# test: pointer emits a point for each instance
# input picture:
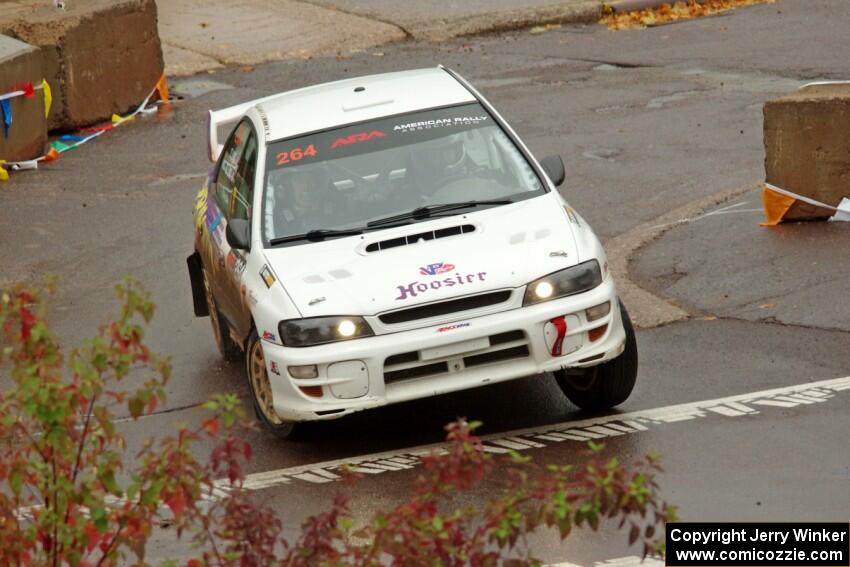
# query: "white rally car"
(386, 238)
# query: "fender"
(196, 281)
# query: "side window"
(229, 166)
(244, 185)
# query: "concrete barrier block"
(19, 64)
(807, 147)
(102, 57)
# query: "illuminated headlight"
(543, 290)
(322, 330)
(570, 281)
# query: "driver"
(436, 163)
(305, 200)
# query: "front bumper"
(467, 353)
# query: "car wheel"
(606, 385)
(261, 391)
(229, 350)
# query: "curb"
(589, 11)
(647, 309)
(620, 6)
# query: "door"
(233, 192)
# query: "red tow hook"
(561, 326)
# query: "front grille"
(445, 307)
(415, 372)
(503, 346)
(402, 358)
(496, 356)
(502, 338)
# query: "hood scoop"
(382, 245)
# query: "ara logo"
(354, 138)
(434, 269)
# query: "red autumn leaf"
(92, 535)
(211, 425)
(27, 322)
(151, 405)
(176, 501)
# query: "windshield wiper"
(316, 235)
(429, 210)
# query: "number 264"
(295, 154)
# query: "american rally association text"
(757, 534)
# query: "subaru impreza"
(386, 238)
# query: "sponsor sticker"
(417, 288)
(453, 327)
(267, 336)
(267, 276)
(436, 268)
(440, 123)
(236, 261)
(359, 137)
(295, 154)
(274, 368)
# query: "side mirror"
(238, 234)
(554, 168)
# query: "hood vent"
(415, 238)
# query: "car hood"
(509, 246)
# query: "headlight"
(570, 281)
(321, 330)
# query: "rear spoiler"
(220, 123)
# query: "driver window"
(226, 179)
(244, 183)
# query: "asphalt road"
(647, 121)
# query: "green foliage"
(68, 495)
(61, 457)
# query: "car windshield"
(348, 177)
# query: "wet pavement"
(647, 121)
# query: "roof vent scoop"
(360, 104)
(359, 89)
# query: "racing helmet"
(440, 158)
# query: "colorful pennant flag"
(70, 142)
(778, 202)
(162, 90)
(6, 107)
(48, 96)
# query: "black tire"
(258, 382)
(606, 385)
(228, 349)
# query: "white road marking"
(726, 410)
(576, 431)
(777, 403)
(311, 477)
